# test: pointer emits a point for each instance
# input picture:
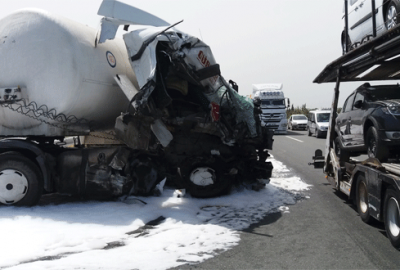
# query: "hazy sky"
(254, 41)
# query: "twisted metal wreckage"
(186, 124)
(205, 128)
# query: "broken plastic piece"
(159, 189)
(161, 132)
(126, 85)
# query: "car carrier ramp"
(377, 59)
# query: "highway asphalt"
(322, 231)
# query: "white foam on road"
(97, 235)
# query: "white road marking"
(293, 138)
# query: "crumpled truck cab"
(185, 113)
(148, 109)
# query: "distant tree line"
(304, 110)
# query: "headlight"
(393, 134)
(391, 109)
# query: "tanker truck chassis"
(154, 111)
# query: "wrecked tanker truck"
(151, 108)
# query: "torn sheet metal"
(194, 62)
(187, 116)
(117, 13)
(128, 14)
(161, 132)
(144, 67)
(126, 85)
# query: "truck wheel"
(20, 180)
(205, 178)
(391, 18)
(392, 217)
(375, 147)
(362, 199)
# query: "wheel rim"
(203, 176)
(13, 186)
(391, 18)
(371, 147)
(363, 197)
(392, 213)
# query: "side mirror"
(234, 85)
(358, 104)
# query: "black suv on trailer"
(370, 122)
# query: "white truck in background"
(273, 106)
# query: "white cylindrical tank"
(56, 64)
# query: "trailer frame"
(367, 183)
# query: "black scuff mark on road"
(148, 226)
(114, 244)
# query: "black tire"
(21, 182)
(216, 183)
(317, 133)
(375, 146)
(362, 199)
(391, 217)
(391, 17)
(342, 154)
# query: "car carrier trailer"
(373, 186)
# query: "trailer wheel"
(392, 217)
(375, 147)
(20, 180)
(362, 199)
(205, 178)
(391, 17)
